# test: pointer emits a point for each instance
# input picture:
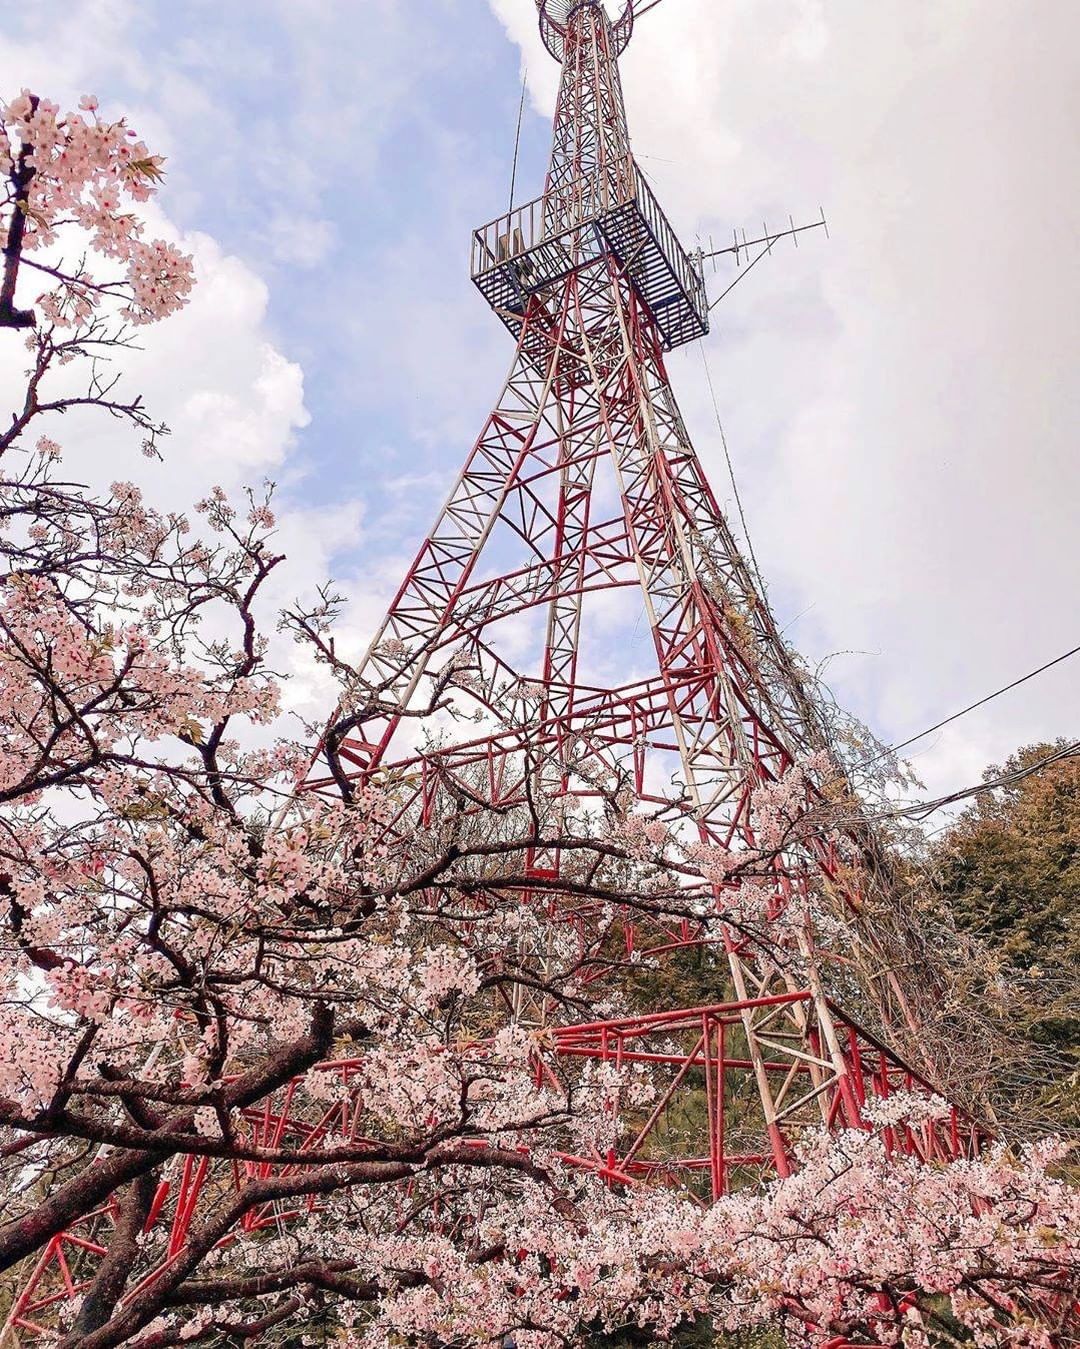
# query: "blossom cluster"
(818, 1255)
(81, 168)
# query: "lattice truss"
(581, 521)
(579, 627)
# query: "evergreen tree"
(1009, 872)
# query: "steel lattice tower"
(584, 483)
(582, 490)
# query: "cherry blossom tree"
(219, 987)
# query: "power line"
(891, 749)
(919, 810)
(730, 468)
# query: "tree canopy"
(1008, 871)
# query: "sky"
(899, 399)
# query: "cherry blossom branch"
(21, 177)
(20, 1236)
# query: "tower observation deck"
(596, 203)
(533, 247)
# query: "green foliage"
(1009, 873)
(693, 976)
(699, 1334)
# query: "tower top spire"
(556, 16)
(596, 204)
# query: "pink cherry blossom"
(82, 171)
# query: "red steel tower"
(583, 500)
(581, 614)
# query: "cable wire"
(517, 136)
(730, 468)
(919, 810)
(891, 749)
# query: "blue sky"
(899, 400)
(331, 147)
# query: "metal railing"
(553, 16)
(689, 278)
(553, 215)
(614, 207)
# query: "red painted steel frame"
(584, 483)
(652, 1039)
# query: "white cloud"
(899, 401)
(214, 373)
(232, 402)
